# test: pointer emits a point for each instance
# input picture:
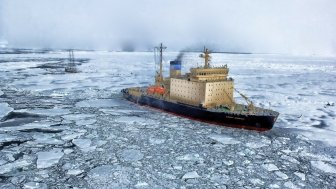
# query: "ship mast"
(207, 57)
(159, 76)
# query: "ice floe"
(141, 185)
(71, 136)
(134, 119)
(51, 112)
(290, 184)
(154, 141)
(35, 185)
(30, 126)
(46, 139)
(4, 110)
(224, 139)
(25, 162)
(131, 155)
(75, 172)
(109, 176)
(84, 122)
(84, 144)
(119, 112)
(256, 181)
(302, 176)
(13, 138)
(323, 166)
(48, 158)
(270, 167)
(190, 157)
(190, 175)
(281, 175)
(99, 103)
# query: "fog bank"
(260, 26)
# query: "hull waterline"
(244, 121)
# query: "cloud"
(267, 26)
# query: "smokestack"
(176, 65)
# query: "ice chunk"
(100, 143)
(132, 119)
(84, 144)
(190, 157)
(109, 176)
(73, 117)
(67, 151)
(190, 175)
(99, 103)
(281, 175)
(256, 181)
(49, 158)
(256, 144)
(74, 172)
(229, 162)
(274, 186)
(46, 139)
(131, 155)
(10, 138)
(302, 176)
(30, 126)
(51, 112)
(84, 122)
(72, 136)
(4, 110)
(35, 185)
(270, 167)
(118, 112)
(325, 167)
(289, 184)
(156, 141)
(141, 185)
(168, 176)
(2, 162)
(19, 164)
(290, 159)
(223, 139)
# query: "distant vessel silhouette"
(71, 67)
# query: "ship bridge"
(205, 86)
(209, 74)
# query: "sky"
(258, 26)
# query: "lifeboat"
(156, 90)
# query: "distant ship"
(204, 94)
(71, 67)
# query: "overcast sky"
(264, 26)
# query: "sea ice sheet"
(4, 109)
(49, 158)
(89, 137)
(223, 139)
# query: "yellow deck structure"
(204, 86)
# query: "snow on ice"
(76, 131)
(49, 158)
